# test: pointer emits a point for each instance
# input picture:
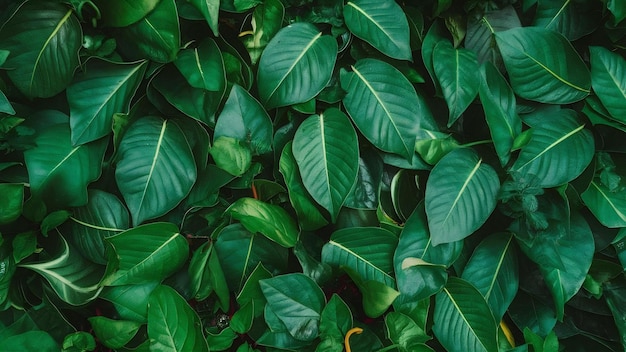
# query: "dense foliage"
(195, 175)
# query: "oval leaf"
(559, 150)
(203, 66)
(463, 320)
(296, 65)
(608, 78)
(607, 206)
(461, 193)
(145, 253)
(113, 333)
(383, 24)
(327, 152)
(43, 38)
(555, 76)
(149, 153)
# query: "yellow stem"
(346, 340)
(507, 332)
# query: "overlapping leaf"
(203, 66)
(608, 78)
(607, 206)
(121, 13)
(481, 31)
(573, 19)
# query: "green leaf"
(24, 244)
(130, 301)
(309, 216)
(297, 301)
(231, 155)
(296, 65)
(113, 333)
(145, 253)
(573, 19)
(121, 13)
(353, 248)
(210, 11)
(103, 216)
(242, 320)
(206, 276)
(222, 340)
(5, 105)
(559, 150)
(35, 340)
(155, 37)
(266, 21)
(148, 153)
(384, 106)
(461, 193)
(457, 72)
(59, 172)
(555, 76)
(270, 220)
(70, 276)
(481, 31)
(609, 207)
(335, 321)
(43, 38)
(203, 66)
(403, 331)
(492, 269)
(172, 324)
(11, 202)
(500, 111)
(251, 291)
(608, 79)
(618, 9)
(100, 91)
(326, 149)
(383, 24)
(244, 119)
(377, 296)
(463, 320)
(435, 34)
(79, 341)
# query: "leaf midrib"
(615, 209)
(152, 166)
(553, 145)
(462, 315)
(371, 19)
(462, 190)
(553, 74)
(348, 250)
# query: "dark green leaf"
(608, 78)
(210, 10)
(573, 19)
(121, 13)
(203, 66)
(30, 341)
(607, 206)
(11, 202)
(481, 31)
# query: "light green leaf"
(43, 38)
(326, 149)
(296, 65)
(148, 153)
(500, 111)
(100, 91)
(172, 324)
(121, 13)
(11, 202)
(555, 76)
(384, 106)
(244, 118)
(457, 72)
(266, 20)
(559, 150)
(463, 320)
(377, 296)
(59, 172)
(113, 333)
(335, 321)
(607, 206)
(608, 78)
(492, 269)
(79, 341)
(573, 19)
(155, 37)
(231, 155)
(461, 193)
(383, 24)
(403, 331)
(297, 301)
(145, 253)
(71, 277)
(352, 248)
(210, 10)
(203, 66)
(270, 220)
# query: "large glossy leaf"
(383, 24)
(210, 9)
(609, 207)
(309, 216)
(463, 320)
(326, 149)
(270, 220)
(559, 150)
(296, 65)
(113, 333)
(499, 105)
(244, 119)
(172, 324)
(150, 153)
(461, 193)
(203, 66)
(103, 216)
(130, 301)
(555, 76)
(72, 278)
(436, 33)
(572, 18)
(353, 248)
(608, 78)
(457, 71)
(145, 253)
(100, 91)
(383, 105)
(59, 172)
(481, 31)
(297, 301)
(402, 330)
(421, 267)
(155, 37)
(121, 13)
(43, 38)
(492, 269)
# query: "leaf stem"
(346, 340)
(484, 19)
(471, 144)
(389, 348)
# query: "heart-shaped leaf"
(296, 65)
(326, 149)
(461, 193)
(608, 78)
